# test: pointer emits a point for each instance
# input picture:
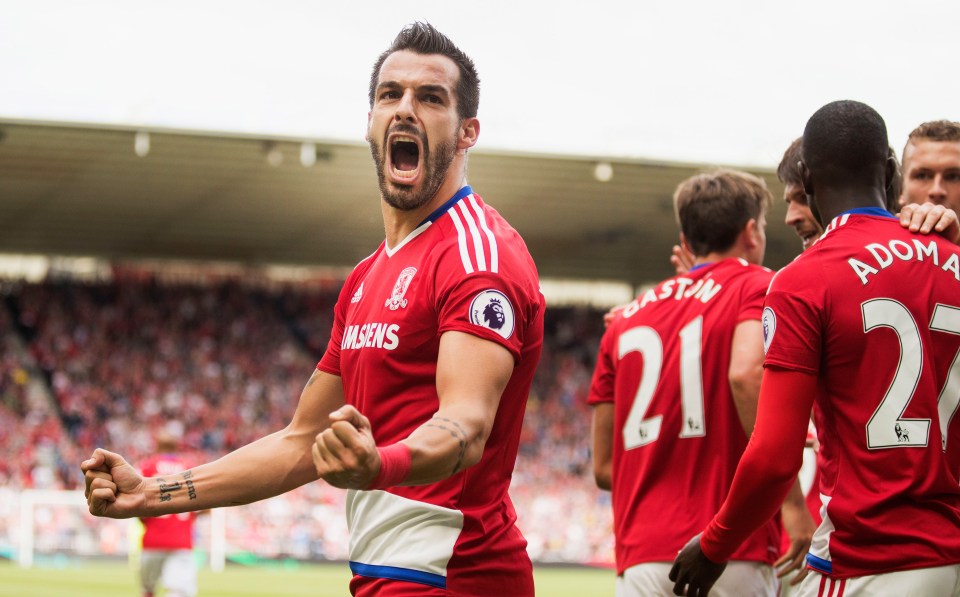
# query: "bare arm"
(800, 527)
(758, 485)
(267, 467)
(471, 376)
(746, 371)
(603, 417)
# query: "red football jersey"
(874, 311)
(664, 363)
(170, 531)
(464, 269)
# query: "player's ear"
(366, 135)
(805, 180)
(892, 170)
(750, 234)
(684, 244)
(468, 134)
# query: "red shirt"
(170, 531)
(664, 363)
(874, 311)
(464, 269)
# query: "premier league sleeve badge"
(492, 309)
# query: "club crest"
(396, 300)
(492, 309)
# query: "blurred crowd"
(222, 363)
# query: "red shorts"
(362, 586)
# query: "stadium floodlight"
(141, 144)
(603, 171)
(308, 154)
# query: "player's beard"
(435, 166)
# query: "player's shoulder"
(753, 270)
(475, 238)
(360, 270)
(740, 271)
(471, 217)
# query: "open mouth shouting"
(404, 163)
(808, 236)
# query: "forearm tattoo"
(167, 488)
(456, 432)
(191, 488)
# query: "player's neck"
(736, 252)
(833, 202)
(399, 223)
(707, 260)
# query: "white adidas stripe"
(469, 237)
(494, 254)
(475, 233)
(462, 241)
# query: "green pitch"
(88, 579)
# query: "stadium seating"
(223, 363)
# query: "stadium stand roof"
(78, 189)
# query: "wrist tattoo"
(167, 488)
(456, 432)
(191, 488)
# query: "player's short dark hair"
(845, 141)
(714, 207)
(935, 130)
(423, 38)
(789, 172)
(789, 169)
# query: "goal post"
(57, 521)
(29, 499)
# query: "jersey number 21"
(638, 431)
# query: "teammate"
(417, 404)
(924, 218)
(931, 164)
(167, 555)
(922, 215)
(869, 337)
(675, 389)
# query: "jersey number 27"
(887, 428)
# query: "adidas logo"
(358, 294)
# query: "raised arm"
(471, 376)
(267, 467)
